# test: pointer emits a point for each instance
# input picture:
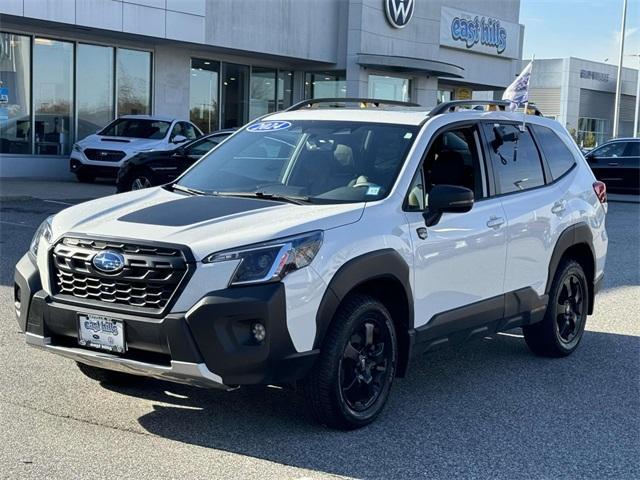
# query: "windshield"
(320, 161)
(136, 128)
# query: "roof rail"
(447, 107)
(364, 103)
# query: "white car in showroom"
(103, 153)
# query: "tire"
(109, 377)
(350, 382)
(560, 331)
(139, 179)
(84, 177)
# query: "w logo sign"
(399, 12)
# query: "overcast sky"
(587, 29)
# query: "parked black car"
(617, 163)
(149, 169)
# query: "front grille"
(104, 155)
(150, 276)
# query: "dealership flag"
(518, 92)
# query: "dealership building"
(580, 94)
(68, 67)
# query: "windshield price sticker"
(268, 126)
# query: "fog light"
(259, 332)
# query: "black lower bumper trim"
(216, 333)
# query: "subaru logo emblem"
(399, 12)
(108, 261)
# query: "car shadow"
(487, 409)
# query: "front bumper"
(211, 345)
(78, 167)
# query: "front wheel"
(351, 380)
(561, 330)
(140, 179)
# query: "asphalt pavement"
(488, 409)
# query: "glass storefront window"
(263, 92)
(15, 77)
(591, 132)
(94, 94)
(133, 82)
(203, 94)
(53, 96)
(285, 89)
(325, 85)
(235, 80)
(444, 96)
(389, 88)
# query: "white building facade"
(580, 94)
(68, 67)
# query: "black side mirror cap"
(447, 198)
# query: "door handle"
(558, 207)
(495, 222)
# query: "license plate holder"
(101, 332)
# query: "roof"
(164, 118)
(408, 116)
(404, 116)
(622, 139)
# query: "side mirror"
(179, 139)
(447, 198)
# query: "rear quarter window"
(558, 156)
(514, 156)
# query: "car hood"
(205, 224)
(120, 143)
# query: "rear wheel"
(110, 377)
(351, 380)
(561, 330)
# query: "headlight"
(43, 231)
(270, 261)
(76, 147)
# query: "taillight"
(601, 191)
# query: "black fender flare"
(576, 234)
(379, 264)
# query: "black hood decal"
(190, 210)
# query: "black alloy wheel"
(140, 181)
(352, 377)
(560, 331)
(569, 309)
(365, 364)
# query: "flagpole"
(526, 104)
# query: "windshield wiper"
(190, 191)
(296, 200)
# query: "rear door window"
(515, 159)
(558, 156)
(632, 150)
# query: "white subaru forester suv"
(325, 247)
